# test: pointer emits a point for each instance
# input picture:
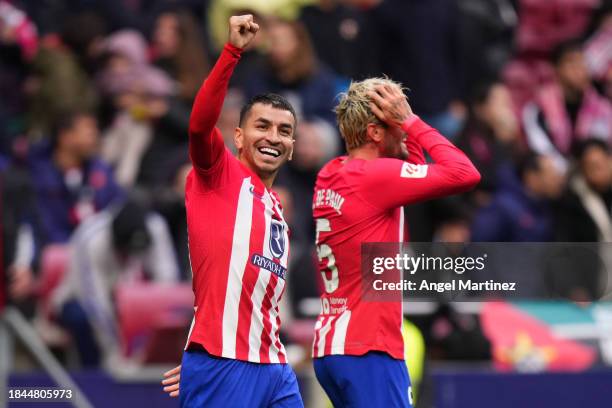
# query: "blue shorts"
(370, 381)
(209, 381)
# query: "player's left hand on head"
(242, 30)
(389, 104)
(171, 382)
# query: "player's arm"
(415, 150)
(205, 141)
(391, 183)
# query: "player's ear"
(374, 133)
(238, 138)
(291, 150)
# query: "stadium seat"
(301, 331)
(150, 311)
(53, 267)
(544, 24)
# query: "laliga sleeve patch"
(410, 170)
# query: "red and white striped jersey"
(358, 201)
(238, 239)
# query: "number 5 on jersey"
(324, 251)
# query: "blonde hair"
(353, 111)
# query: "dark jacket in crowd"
(513, 215)
(313, 97)
(419, 43)
(168, 143)
(487, 153)
(340, 35)
(64, 200)
(576, 222)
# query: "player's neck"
(266, 178)
(368, 151)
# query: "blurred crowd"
(95, 97)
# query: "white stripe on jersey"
(401, 225)
(238, 260)
(316, 331)
(259, 291)
(274, 351)
(278, 290)
(323, 333)
(195, 308)
(339, 336)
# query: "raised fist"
(242, 30)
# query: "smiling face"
(265, 140)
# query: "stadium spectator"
(118, 14)
(158, 162)
(520, 210)
(121, 244)
(57, 86)
(293, 71)
(586, 207)
(452, 221)
(84, 33)
(149, 124)
(544, 24)
(124, 57)
(18, 45)
(487, 29)
(598, 49)
(567, 110)
(178, 49)
(339, 34)
(490, 136)
(423, 59)
(169, 201)
(221, 10)
(454, 336)
(585, 215)
(70, 180)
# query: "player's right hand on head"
(390, 105)
(242, 30)
(172, 381)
